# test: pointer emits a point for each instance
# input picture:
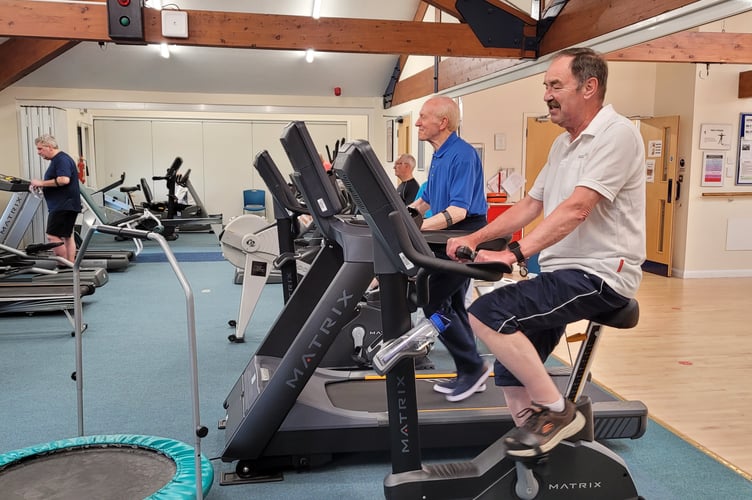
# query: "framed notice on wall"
(390, 140)
(715, 136)
(479, 149)
(712, 168)
(744, 158)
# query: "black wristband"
(448, 217)
(514, 247)
(56, 182)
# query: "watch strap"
(514, 247)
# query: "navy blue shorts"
(542, 307)
(61, 223)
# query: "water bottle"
(414, 343)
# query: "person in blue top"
(61, 193)
(455, 194)
(421, 189)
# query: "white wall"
(716, 101)
(86, 105)
(218, 153)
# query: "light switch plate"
(500, 141)
(175, 23)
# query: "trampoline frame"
(182, 485)
(200, 480)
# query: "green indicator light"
(125, 21)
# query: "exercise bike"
(360, 337)
(578, 468)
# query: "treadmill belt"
(370, 395)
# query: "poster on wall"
(715, 136)
(390, 140)
(744, 160)
(655, 149)
(712, 169)
(650, 172)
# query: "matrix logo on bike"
(402, 414)
(589, 485)
(330, 326)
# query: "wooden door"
(540, 135)
(403, 136)
(661, 137)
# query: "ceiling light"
(164, 50)
(316, 13)
(309, 55)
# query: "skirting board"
(712, 273)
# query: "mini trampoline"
(119, 466)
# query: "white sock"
(557, 406)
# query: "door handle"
(670, 190)
(678, 190)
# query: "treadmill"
(17, 218)
(285, 411)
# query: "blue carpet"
(136, 381)
(181, 257)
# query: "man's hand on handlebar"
(504, 256)
(453, 244)
(461, 250)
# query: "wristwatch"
(514, 247)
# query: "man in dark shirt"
(408, 186)
(61, 193)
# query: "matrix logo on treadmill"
(328, 327)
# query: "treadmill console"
(305, 160)
(14, 184)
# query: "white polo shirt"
(608, 157)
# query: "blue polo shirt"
(456, 178)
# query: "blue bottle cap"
(439, 321)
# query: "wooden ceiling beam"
(449, 6)
(583, 20)
(420, 13)
(452, 71)
(578, 22)
(684, 47)
(21, 56)
(691, 47)
(88, 22)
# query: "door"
(661, 137)
(540, 135)
(403, 136)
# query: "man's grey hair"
(46, 140)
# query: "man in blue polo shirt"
(455, 195)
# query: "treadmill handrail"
(126, 232)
